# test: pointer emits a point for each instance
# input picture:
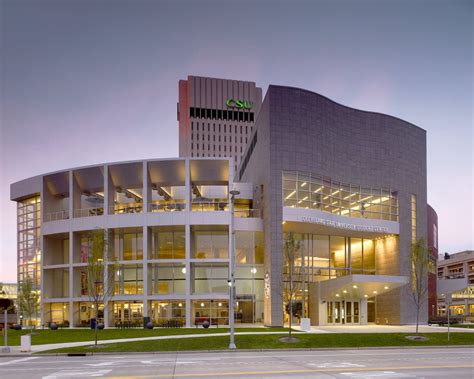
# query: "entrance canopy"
(359, 286)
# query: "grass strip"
(46, 336)
(333, 340)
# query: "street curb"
(257, 350)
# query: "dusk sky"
(85, 82)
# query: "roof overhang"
(359, 286)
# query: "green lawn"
(273, 342)
(75, 335)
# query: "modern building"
(456, 281)
(351, 185)
(216, 117)
(348, 186)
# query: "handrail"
(209, 206)
(86, 212)
(247, 213)
(123, 209)
(56, 216)
(166, 207)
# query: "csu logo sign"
(241, 104)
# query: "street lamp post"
(233, 193)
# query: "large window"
(168, 245)
(169, 313)
(128, 246)
(211, 244)
(29, 248)
(168, 279)
(210, 278)
(129, 280)
(309, 191)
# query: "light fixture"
(354, 286)
(220, 304)
(253, 270)
(291, 194)
(180, 304)
(303, 184)
(375, 292)
(183, 270)
(366, 295)
(202, 304)
(337, 295)
(344, 291)
(385, 288)
(283, 222)
(319, 189)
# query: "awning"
(358, 286)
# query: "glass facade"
(167, 279)
(310, 191)
(211, 244)
(128, 245)
(29, 245)
(129, 279)
(168, 245)
(323, 257)
(170, 313)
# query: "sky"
(86, 82)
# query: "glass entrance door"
(343, 312)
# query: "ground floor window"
(128, 313)
(168, 313)
(216, 312)
(84, 311)
(57, 313)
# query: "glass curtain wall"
(323, 257)
(249, 275)
(310, 191)
(29, 248)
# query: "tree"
(28, 299)
(420, 266)
(291, 249)
(100, 276)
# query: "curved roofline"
(345, 106)
(123, 162)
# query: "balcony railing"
(87, 212)
(210, 206)
(167, 207)
(125, 208)
(55, 216)
(247, 213)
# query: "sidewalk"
(316, 330)
(39, 348)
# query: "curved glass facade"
(310, 191)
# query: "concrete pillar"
(363, 312)
(187, 235)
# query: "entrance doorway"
(343, 312)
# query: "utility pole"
(5, 348)
(233, 193)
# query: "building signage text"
(343, 225)
(241, 104)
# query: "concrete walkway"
(314, 329)
(39, 348)
(386, 329)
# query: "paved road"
(377, 363)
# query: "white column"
(363, 316)
(145, 193)
(187, 235)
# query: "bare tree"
(291, 251)
(100, 275)
(420, 266)
(28, 299)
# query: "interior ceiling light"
(291, 194)
(354, 286)
(319, 189)
(303, 184)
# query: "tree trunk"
(96, 321)
(417, 315)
